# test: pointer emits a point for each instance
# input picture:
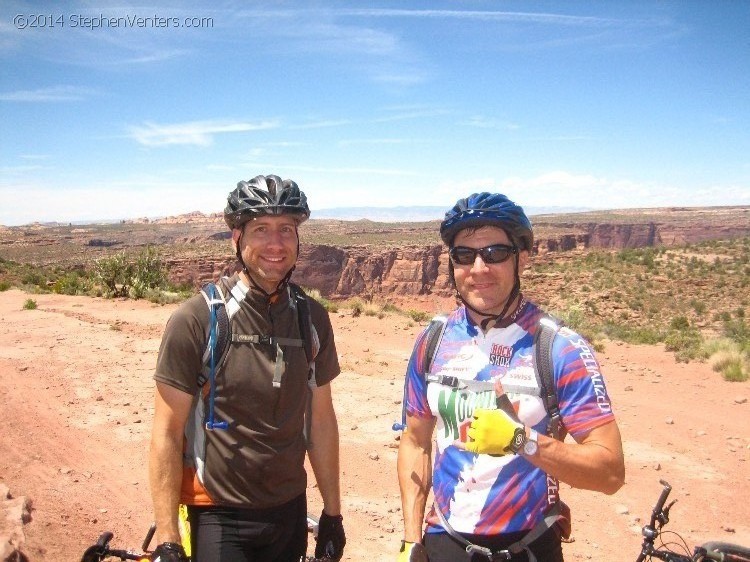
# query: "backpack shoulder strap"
(217, 344)
(433, 336)
(543, 367)
(311, 344)
(218, 332)
(306, 328)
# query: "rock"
(740, 400)
(621, 509)
(14, 514)
(669, 421)
(374, 456)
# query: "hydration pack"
(221, 310)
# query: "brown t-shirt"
(258, 461)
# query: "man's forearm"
(414, 478)
(165, 476)
(594, 464)
(323, 452)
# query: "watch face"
(519, 440)
(530, 447)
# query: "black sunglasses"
(496, 253)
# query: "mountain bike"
(677, 550)
(101, 551)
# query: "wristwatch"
(530, 446)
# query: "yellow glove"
(494, 432)
(412, 552)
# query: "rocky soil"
(76, 403)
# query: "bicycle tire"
(733, 552)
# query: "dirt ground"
(76, 403)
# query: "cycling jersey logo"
(455, 407)
(500, 355)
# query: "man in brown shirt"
(244, 484)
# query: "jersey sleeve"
(582, 393)
(180, 358)
(327, 365)
(415, 386)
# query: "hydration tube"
(212, 423)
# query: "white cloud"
(198, 133)
(52, 94)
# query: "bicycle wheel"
(733, 552)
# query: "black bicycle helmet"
(265, 195)
(488, 209)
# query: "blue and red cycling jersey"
(490, 495)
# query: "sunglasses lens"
(496, 254)
(463, 256)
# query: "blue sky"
(110, 110)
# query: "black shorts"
(441, 547)
(226, 534)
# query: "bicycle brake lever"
(664, 515)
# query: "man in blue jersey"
(496, 466)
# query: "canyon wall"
(366, 271)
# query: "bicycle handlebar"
(658, 511)
(710, 551)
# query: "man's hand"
(412, 552)
(169, 552)
(331, 538)
(493, 432)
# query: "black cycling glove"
(331, 538)
(169, 552)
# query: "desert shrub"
(698, 306)
(738, 331)
(732, 365)
(388, 307)
(147, 273)
(686, 345)
(70, 284)
(122, 276)
(418, 316)
(679, 323)
(35, 278)
(30, 304)
(4, 286)
(357, 306)
(329, 305)
(632, 334)
(114, 274)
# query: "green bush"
(121, 277)
(4, 286)
(686, 344)
(679, 323)
(114, 273)
(731, 366)
(30, 304)
(357, 307)
(148, 273)
(34, 278)
(70, 284)
(418, 316)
